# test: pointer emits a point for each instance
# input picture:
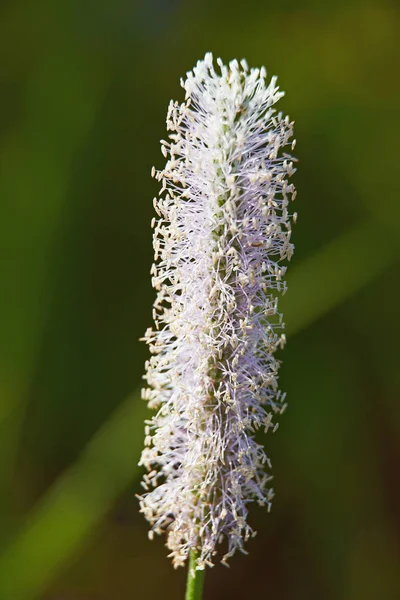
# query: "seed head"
(222, 233)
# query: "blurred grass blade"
(72, 508)
(352, 260)
(36, 164)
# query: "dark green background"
(84, 91)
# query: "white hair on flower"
(221, 236)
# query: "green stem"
(195, 579)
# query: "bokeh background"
(84, 91)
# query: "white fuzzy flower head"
(222, 234)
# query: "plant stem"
(195, 579)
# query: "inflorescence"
(222, 233)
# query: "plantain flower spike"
(222, 233)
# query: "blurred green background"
(84, 91)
